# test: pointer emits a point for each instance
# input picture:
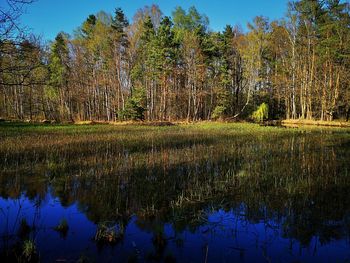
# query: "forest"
(161, 68)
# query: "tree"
(334, 55)
(135, 106)
(262, 113)
(120, 45)
(230, 70)
(253, 49)
(59, 76)
(10, 13)
(299, 66)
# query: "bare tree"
(10, 12)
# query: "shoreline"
(299, 122)
(286, 123)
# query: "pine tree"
(59, 75)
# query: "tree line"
(176, 68)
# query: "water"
(180, 197)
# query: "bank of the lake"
(301, 122)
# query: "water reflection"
(181, 199)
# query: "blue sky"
(48, 17)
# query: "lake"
(185, 193)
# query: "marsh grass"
(109, 233)
(29, 251)
(179, 174)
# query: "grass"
(54, 147)
(25, 136)
(176, 165)
(16, 129)
(301, 122)
(175, 172)
(29, 251)
(108, 234)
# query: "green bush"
(134, 107)
(219, 112)
(262, 113)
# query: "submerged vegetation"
(109, 233)
(29, 251)
(62, 227)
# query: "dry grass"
(121, 123)
(300, 122)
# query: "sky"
(49, 17)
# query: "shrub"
(134, 107)
(218, 112)
(262, 113)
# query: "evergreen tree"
(59, 76)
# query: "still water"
(177, 196)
